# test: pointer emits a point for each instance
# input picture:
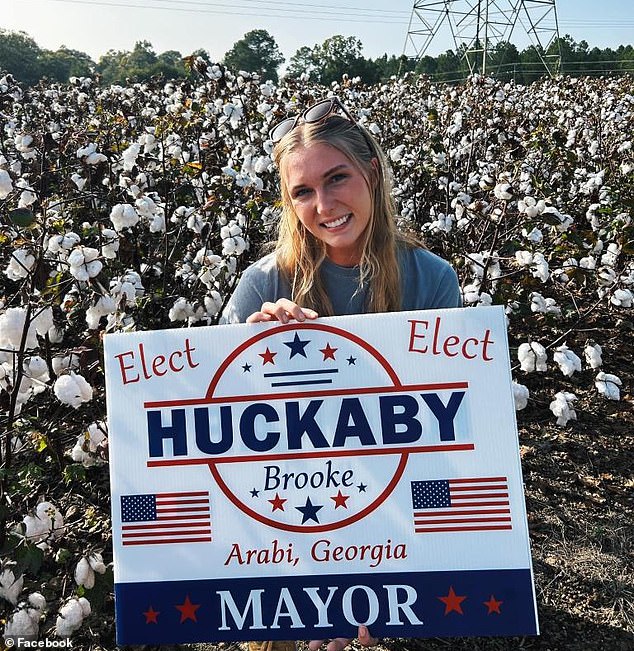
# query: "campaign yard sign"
(294, 481)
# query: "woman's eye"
(300, 193)
(335, 178)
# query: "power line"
(311, 11)
(358, 16)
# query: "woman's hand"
(340, 643)
(283, 310)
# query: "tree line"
(322, 63)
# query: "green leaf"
(22, 216)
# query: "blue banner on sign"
(417, 604)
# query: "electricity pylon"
(478, 26)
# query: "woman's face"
(331, 198)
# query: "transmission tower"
(477, 27)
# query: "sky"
(384, 27)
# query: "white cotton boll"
(10, 586)
(37, 601)
(535, 235)
(397, 153)
(524, 258)
(606, 276)
(561, 407)
(567, 360)
(608, 385)
(6, 184)
(592, 353)
(129, 156)
(96, 563)
(532, 357)
(471, 293)
(12, 324)
(503, 191)
(72, 390)
(157, 223)
(520, 396)
(85, 606)
(622, 298)
(20, 264)
(27, 198)
(587, 262)
(539, 268)
(78, 180)
(485, 299)
(213, 303)
(110, 243)
(23, 623)
(36, 367)
(47, 522)
(181, 310)
(104, 306)
(84, 574)
(123, 215)
(611, 255)
(70, 618)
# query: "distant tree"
(170, 64)
(330, 60)
(140, 64)
(65, 63)
(20, 55)
(257, 52)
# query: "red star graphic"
(267, 356)
(493, 605)
(188, 610)
(278, 503)
(329, 353)
(340, 500)
(151, 616)
(452, 602)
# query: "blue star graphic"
(297, 346)
(246, 368)
(255, 493)
(309, 512)
(351, 360)
(362, 488)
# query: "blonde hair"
(299, 254)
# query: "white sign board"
(294, 481)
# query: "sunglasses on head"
(315, 113)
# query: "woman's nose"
(324, 202)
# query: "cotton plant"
(521, 395)
(20, 264)
(10, 585)
(84, 263)
(72, 389)
(90, 447)
(87, 568)
(532, 357)
(13, 322)
(24, 622)
(608, 385)
(6, 184)
(622, 298)
(592, 353)
(71, 616)
(44, 525)
(562, 407)
(567, 360)
(542, 305)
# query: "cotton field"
(137, 207)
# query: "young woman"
(338, 250)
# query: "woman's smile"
(331, 198)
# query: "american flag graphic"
(165, 518)
(476, 504)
